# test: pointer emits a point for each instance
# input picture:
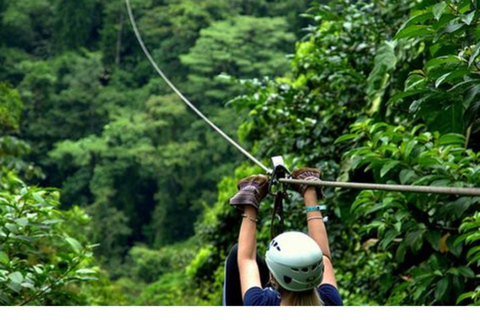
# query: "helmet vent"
(287, 279)
(275, 245)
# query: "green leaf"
(472, 238)
(413, 31)
(417, 19)
(441, 60)
(388, 166)
(401, 95)
(385, 61)
(414, 239)
(474, 259)
(388, 238)
(441, 289)
(400, 254)
(466, 272)
(38, 197)
(409, 147)
(85, 271)
(28, 285)
(453, 27)
(4, 258)
(346, 137)
(472, 251)
(414, 81)
(474, 55)
(452, 138)
(438, 10)
(76, 246)
(21, 222)
(442, 78)
(433, 237)
(466, 295)
(38, 269)
(16, 277)
(455, 249)
(407, 176)
(468, 18)
(15, 286)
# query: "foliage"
(389, 248)
(305, 112)
(44, 251)
(10, 108)
(39, 256)
(150, 265)
(243, 47)
(418, 232)
(447, 31)
(469, 239)
(384, 91)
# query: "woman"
(298, 268)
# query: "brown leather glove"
(308, 174)
(251, 191)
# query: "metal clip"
(279, 171)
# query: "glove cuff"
(246, 196)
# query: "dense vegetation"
(113, 193)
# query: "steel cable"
(184, 99)
(387, 187)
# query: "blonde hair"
(302, 298)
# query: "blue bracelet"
(316, 208)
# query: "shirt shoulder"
(330, 295)
(256, 296)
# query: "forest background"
(113, 193)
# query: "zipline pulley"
(279, 171)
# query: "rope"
(387, 187)
(187, 102)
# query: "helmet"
(295, 260)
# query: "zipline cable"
(187, 102)
(335, 184)
(387, 187)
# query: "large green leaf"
(388, 166)
(413, 31)
(414, 239)
(16, 277)
(474, 55)
(4, 258)
(439, 9)
(74, 244)
(441, 288)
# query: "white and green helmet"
(296, 261)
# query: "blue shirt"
(256, 296)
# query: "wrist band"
(325, 219)
(249, 218)
(316, 208)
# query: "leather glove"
(251, 191)
(308, 174)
